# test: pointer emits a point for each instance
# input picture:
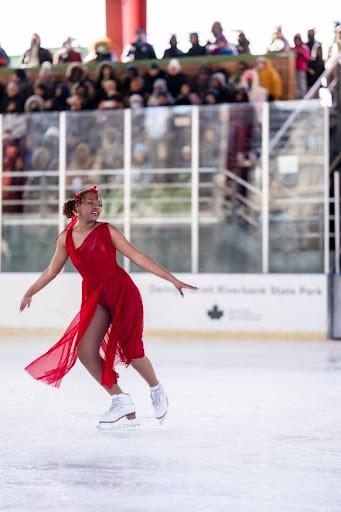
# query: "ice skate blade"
(162, 419)
(118, 425)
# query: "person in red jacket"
(4, 59)
(302, 60)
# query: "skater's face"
(90, 207)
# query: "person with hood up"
(75, 72)
(243, 45)
(34, 103)
(175, 77)
(302, 54)
(225, 92)
(101, 50)
(59, 100)
(250, 82)
(315, 67)
(269, 79)
(159, 93)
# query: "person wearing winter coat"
(175, 77)
(173, 51)
(35, 55)
(269, 79)
(302, 53)
(196, 49)
(315, 67)
(4, 59)
(140, 49)
(67, 53)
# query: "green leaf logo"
(215, 313)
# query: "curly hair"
(69, 208)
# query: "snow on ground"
(252, 426)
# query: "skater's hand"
(25, 302)
(179, 285)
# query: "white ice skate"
(160, 402)
(122, 408)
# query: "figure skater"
(108, 328)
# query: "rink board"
(245, 305)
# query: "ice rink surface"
(252, 427)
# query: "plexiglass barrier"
(221, 188)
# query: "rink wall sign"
(249, 305)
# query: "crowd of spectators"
(108, 90)
(76, 90)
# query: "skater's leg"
(145, 368)
(158, 395)
(88, 350)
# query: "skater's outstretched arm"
(55, 266)
(144, 261)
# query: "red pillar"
(122, 18)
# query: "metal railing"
(194, 195)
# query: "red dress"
(108, 284)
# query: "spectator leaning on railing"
(243, 45)
(196, 49)
(109, 89)
(223, 47)
(173, 51)
(140, 49)
(67, 53)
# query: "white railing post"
(127, 180)
(1, 170)
(265, 186)
(337, 221)
(326, 188)
(195, 190)
(62, 169)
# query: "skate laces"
(115, 404)
(157, 395)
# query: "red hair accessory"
(69, 226)
(93, 189)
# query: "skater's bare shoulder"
(122, 244)
(61, 240)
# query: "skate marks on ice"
(251, 428)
